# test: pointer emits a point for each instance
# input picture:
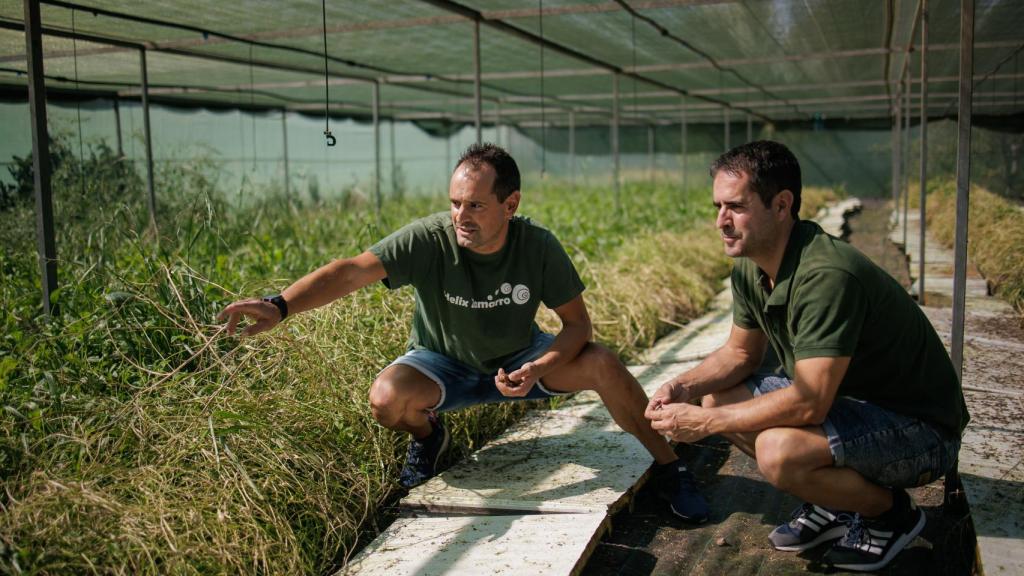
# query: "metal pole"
(615, 140)
(897, 123)
(905, 151)
(376, 144)
(46, 245)
(147, 137)
(682, 135)
(924, 148)
(963, 180)
(572, 150)
(284, 140)
(478, 106)
(650, 153)
(117, 121)
(750, 129)
(394, 165)
(726, 128)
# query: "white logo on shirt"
(520, 294)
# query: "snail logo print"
(520, 294)
(505, 295)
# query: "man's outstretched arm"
(321, 286)
(576, 332)
(724, 368)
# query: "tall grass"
(996, 230)
(136, 437)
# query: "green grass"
(136, 437)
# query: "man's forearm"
(332, 281)
(723, 369)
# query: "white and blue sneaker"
(811, 525)
(871, 543)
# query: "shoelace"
(855, 529)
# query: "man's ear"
(512, 204)
(783, 203)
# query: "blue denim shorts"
(463, 386)
(887, 448)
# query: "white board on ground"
(513, 545)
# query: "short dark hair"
(506, 179)
(771, 166)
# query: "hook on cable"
(331, 140)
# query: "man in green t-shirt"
(479, 274)
(866, 402)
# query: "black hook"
(331, 140)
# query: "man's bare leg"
(597, 368)
(400, 398)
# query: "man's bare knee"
(601, 367)
(386, 404)
(774, 451)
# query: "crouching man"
(869, 402)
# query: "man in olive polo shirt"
(868, 404)
(479, 274)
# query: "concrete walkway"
(537, 499)
(992, 453)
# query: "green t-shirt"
(477, 308)
(830, 300)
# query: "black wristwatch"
(282, 306)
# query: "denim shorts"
(463, 386)
(887, 448)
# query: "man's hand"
(517, 383)
(681, 421)
(263, 314)
(671, 392)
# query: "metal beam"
(147, 138)
(682, 137)
(572, 150)
(46, 244)
(922, 298)
(615, 143)
(117, 124)
(905, 155)
(963, 181)
(284, 141)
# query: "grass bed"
(136, 437)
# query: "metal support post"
(905, 152)
(394, 164)
(477, 99)
(117, 122)
(572, 150)
(615, 141)
(46, 245)
(750, 128)
(896, 125)
(963, 181)
(726, 128)
(376, 145)
(924, 148)
(284, 141)
(148, 139)
(650, 153)
(682, 136)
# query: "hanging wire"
(331, 140)
(543, 123)
(78, 108)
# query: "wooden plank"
(511, 545)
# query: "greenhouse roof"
(540, 62)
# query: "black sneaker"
(421, 459)
(871, 543)
(678, 487)
(811, 525)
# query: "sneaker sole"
(896, 548)
(826, 536)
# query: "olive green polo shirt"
(830, 300)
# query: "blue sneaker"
(871, 543)
(678, 486)
(811, 525)
(421, 459)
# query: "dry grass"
(996, 233)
